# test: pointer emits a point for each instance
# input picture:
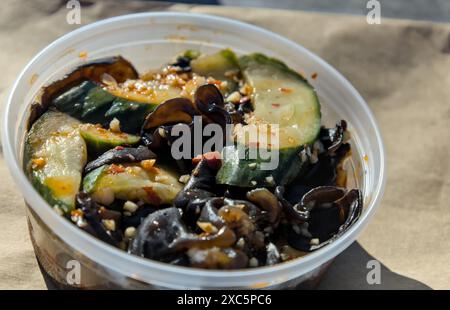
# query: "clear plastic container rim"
(156, 272)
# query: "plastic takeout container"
(149, 40)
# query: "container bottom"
(52, 255)
(53, 284)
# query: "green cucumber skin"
(90, 103)
(97, 100)
(215, 65)
(86, 102)
(239, 172)
(246, 60)
(72, 101)
(130, 114)
(191, 54)
(90, 180)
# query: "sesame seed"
(240, 243)
(130, 206)
(253, 262)
(161, 178)
(109, 225)
(234, 97)
(148, 163)
(253, 183)
(114, 125)
(270, 180)
(162, 132)
(314, 241)
(207, 227)
(130, 232)
(252, 165)
(184, 178)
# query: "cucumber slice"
(217, 65)
(282, 97)
(156, 92)
(132, 182)
(99, 140)
(54, 157)
(86, 101)
(245, 172)
(130, 114)
(91, 103)
(191, 54)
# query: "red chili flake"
(275, 105)
(197, 159)
(77, 212)
(116, 169)
(215, 82)
(314, 75)
(212, 155)
(285, 90)
(119, 148)
(152, 196)
(213, 159)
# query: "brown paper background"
(400, 67)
